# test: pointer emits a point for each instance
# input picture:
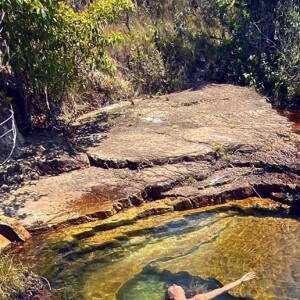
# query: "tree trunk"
(21, 102)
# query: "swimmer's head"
(175, 292)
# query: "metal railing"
(12, 131)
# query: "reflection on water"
(198, 250)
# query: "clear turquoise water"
(198, 251)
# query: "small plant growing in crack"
(139, 112)
(111, 121)
(190, 180)
(221, 152)
(130, 124)
(232, 125)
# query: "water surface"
(199, 249)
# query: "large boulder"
(12, 230)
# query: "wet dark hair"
(167, 297)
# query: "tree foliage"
(50, 45)
(261, 46)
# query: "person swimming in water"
(176, 292)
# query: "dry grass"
(11, 279)
(103, 90)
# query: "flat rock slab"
(190, 124)
(193, 148)
(91, 193)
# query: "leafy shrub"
(51, 47)
(260, 46)
(252, 43)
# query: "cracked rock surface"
(190, 149)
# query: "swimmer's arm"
(225, 288)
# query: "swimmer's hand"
(248, 276)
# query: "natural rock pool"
(135, 256)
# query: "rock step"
(12, 231)
(90, 194)
(202, 146)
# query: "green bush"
(56, 48)
(253, 43)
(51, 48)
(260, 47)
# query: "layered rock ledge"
(194, 148)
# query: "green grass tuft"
(11, 279)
